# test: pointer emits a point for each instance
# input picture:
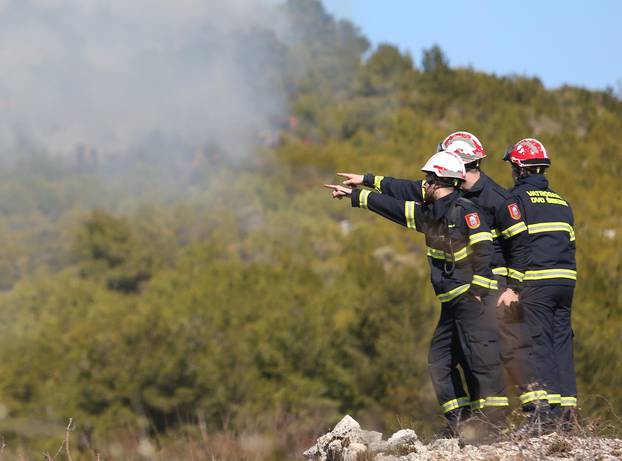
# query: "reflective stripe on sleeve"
(485, 282)
(569, 401)
(377, 181)
(500, 271)
(553, 226)
(363, 198)
(452, 294)
(480, 237)
(527, 397)
(517, 275)
(513, 230)
(409, 211)
(551, 274)
(495, 233)
(554, 399)
(455, 403)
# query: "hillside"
(174, 294)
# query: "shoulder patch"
(472, 220)
(514, 211)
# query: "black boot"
(540, 420)
(454, 419)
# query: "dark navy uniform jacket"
(459, 242)
(501, 212)
(550, 225)
(504, 215)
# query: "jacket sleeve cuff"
(368, 180)
(354, 198)
(514, 284)
(476, 290)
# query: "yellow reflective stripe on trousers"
(554, 398)
(553, 226)
(363, 198)
(513, 230)
(434, 253)
(455, 403)
(569, 401)
(377, 181)
(446, 297)
(409, 212)
(518, 275)
(480, 237)
(500, 271)
(490, 402)
(497, 402)
(551, 274)
(527, 397)
(485, 282)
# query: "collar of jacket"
(441, 206)
(538, 181)
(478, 186)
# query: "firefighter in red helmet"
(550, 278)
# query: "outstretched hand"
(352, 179)
(339, 191)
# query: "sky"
(561, 42)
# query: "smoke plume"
(117, 74)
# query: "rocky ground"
(348, 442)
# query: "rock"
(403, 442)
(354, 451)
(346, 426)
(348, 442)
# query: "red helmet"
(527, 152)
(464, 144)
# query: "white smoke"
(112, 74)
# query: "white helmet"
(465, 144)
(445, 165)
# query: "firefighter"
(551, 275)
(502, 212)
(459, 249)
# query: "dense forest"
(225, 301)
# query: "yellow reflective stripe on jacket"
(553, 226)
(409, 211)
(363, 198)
(485, 282)
(551, 274)
(480, 237)
(490, 402)
(446, 297)
(377, 181)
(569, 401)
(527, 397)
(554, 398)
(460, 254)
(513, 273)
(513, 230)
(495, 233)
(500, 271)
(434, 253)
(455, 403)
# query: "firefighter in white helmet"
(459, 249)
(505, 216)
